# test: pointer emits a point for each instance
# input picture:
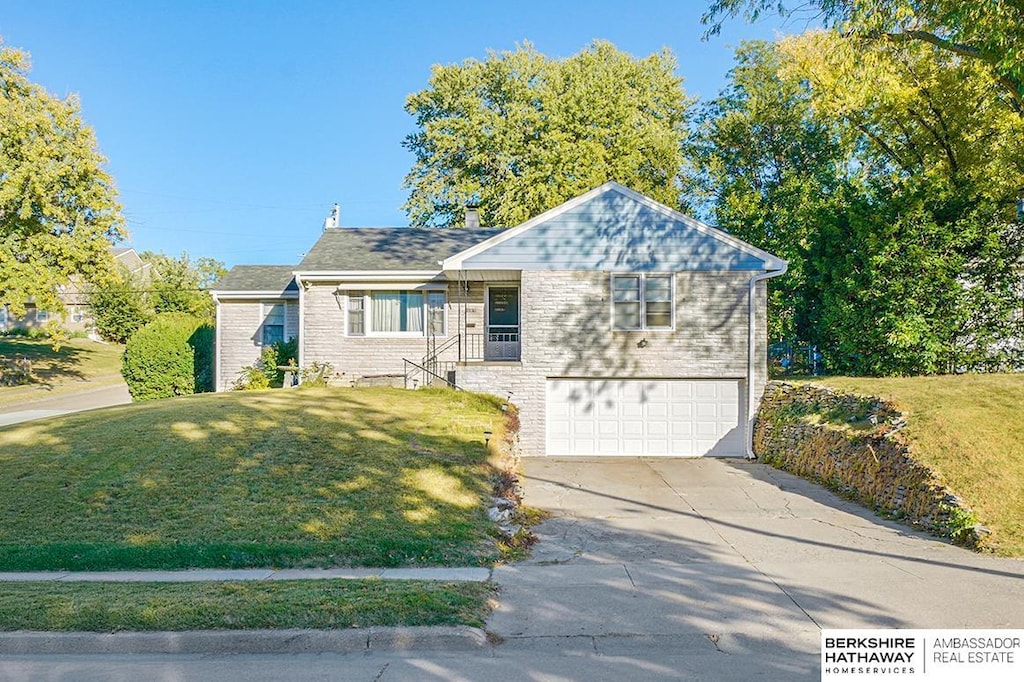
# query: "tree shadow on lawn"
(49, 367)
(331, 477)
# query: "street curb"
(445, 638)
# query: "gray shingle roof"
(388, 248)
(258, 278)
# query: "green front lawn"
(969, 428)
(318, 477)
(322, 604)
(55, 371)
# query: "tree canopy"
(886, 173)
(58, 207)
(765, 168)
(125, 302)
(990, 31)
(519, 133)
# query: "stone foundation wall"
(854, 446)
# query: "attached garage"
(644, 417)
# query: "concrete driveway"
(732, 567)
(88, 398)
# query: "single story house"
(75, 296)
(616, 324)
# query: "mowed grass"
(285, 478)
(320, 604)
(969, 428)
(54, 371)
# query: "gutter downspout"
(748, 441)
(301, 335)
(216, 344)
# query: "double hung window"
(273, 323)
(642, 301)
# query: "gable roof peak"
(743, 255)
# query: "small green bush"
(265, 373)
(316, 374)
(171, 355)
(16, 371)
(251, 378)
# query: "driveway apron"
(724, 557)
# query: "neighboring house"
(75, 296)
(616, 324)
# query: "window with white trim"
(356, 313)
(436, 313)
(385, 313)
(642, 301)
(273, 323)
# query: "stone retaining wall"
(854, 446)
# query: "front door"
(502, 342)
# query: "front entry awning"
(483, 275)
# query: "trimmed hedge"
(171, 355)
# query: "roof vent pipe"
(333, 220)
(472, 218)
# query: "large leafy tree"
(519, 132)
(990, 32)
(886, 175)
(937, 245)
(120, 306)
(918, 111)
(181, 285)
(126, 301)
(768, 169)
(58, 206)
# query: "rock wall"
(854, 445)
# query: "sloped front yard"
(53, 372)
(320, 477)
(970, 429)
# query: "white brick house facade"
(615, 324)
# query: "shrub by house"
(171, 355)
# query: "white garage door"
(631, 417)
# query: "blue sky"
(232, 127)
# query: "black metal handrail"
(434, 353)
(426, 373)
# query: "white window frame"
(349, 297)
(426, 312)
(643, 301)
(265, 307)
(368, 331)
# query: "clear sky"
(232, 126)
